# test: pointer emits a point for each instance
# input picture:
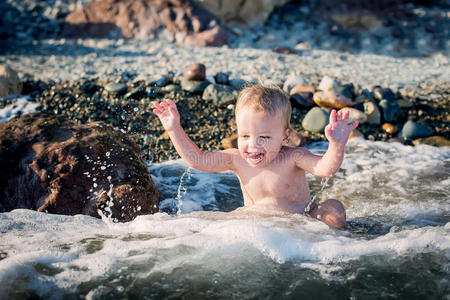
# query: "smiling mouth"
(254, 158)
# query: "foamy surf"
(398, 244)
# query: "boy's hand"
(338, 130)
(168, 114)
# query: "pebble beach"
(170, 231)
(69, 76)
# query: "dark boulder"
(52, 164)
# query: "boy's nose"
(253, 143)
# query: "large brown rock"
(51, 164)
(10, 83)
(184, 20)
(248, 12)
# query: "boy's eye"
(244, 136)
(265, 137)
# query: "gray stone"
(437, 141)
(384, 94)
(115, 87)
(291, 81)
(193, 86)
(136, 93)
(413, 130)
(171, 88)
(238, 83)
(220, 94)
(355, 114)
(162, 81)
(10, 83)
(373, 113)
(222, 78)
(327, 84)
(315, 120)
(391, 110)
(346, 90)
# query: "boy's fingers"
(156, 104)
(333, 116)
(355, 124)
(346, 114)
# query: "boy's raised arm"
(337, 133)
(191, 154)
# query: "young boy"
(271, 174)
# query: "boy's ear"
(287, 132)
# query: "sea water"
(202, 245)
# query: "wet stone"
(285, 50)
(413, 130)
(302, 100)
(293, 80)
(195, 87)
(152, 92)
(302, 88)
(384, 94)
(136, 93)
(195, 72)
(315, 120)
(404, 103)
(238, 83)
(220, 94)
(373, 113)
(330, 99)
(437, 141)
(170, 88)
(222, 78)
(162, 81)
(327, 84)
(347, 90)
(389, 128)
(355, 114)
(116, 88)
(391, 110)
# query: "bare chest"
(287, 184)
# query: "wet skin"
(271, 174)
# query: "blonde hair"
(268, 99)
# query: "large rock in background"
(247, 12)
(184, 21)
(10, 83)
(51, 164)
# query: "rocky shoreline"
(393, 79)
(208, 116)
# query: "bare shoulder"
(233, 156)
(298, 155)
(295, 153)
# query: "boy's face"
(260, 136)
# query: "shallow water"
(397, 200)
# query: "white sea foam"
(67, 252)
(401, 189)
(19, 107)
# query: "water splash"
(182, 190)
(323, 185)
(107, 217)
